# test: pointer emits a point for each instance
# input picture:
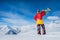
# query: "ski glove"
(47, 10)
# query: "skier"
(39, 21)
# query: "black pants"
(39, 28)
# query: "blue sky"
(21, 12)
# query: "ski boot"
(39, 32)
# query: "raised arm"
(43, 12)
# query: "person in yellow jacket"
(39, 21)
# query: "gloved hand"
(48, 10)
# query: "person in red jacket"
(39, 20)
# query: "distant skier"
(39, 21)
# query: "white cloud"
(53, 17)
(16, 21)
(57, 21)
(53, 24)
(23, 10)
(10, 15)
(54, 21)
(28, 28)
(14, 18)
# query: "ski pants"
(39, 28)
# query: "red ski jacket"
(39, 15)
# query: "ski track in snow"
(31, 35)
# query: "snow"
(31, 35)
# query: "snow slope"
(31, 35)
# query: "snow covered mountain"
(4, 29)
